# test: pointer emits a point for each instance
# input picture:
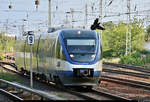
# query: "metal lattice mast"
(100, 15)
(6, 37)
(72, 15)
(128, 32)
(130, 42)
(49, 12)
(100, 11)
(86, 16)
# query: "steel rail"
(10, 95)
(138, 84)
(33, 91)
(87, 97)
(141, 75)
(8, 63)
(61, 88)
(107, 95)
(80, 95)
(132, 67)
(111, 95)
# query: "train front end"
(80, 61)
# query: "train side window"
(50, 48)
(62, 55)
(58, 50)
(53, 49)
(101, 55)
(37, 53)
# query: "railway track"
(145, 71)
(88, 95)
(93, 94)
(131, 67)
(85, 95)
(112, 96)
(131, 89)
(131, 82)
(19, 92)
(128, 70)
(140, 75)
(10, 95)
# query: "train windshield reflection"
(81, 45)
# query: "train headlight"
(79, 32)
(71, 55)
(93, 56)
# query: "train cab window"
(81, 45)
(59, 51)
(82, 50)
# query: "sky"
(24, 13)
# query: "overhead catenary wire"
(91, 14)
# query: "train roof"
(75, 33)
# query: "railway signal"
(37, 2)
(96, 25)
(30, 40)
(10, 6)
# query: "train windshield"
(81, 50)
(81, 45)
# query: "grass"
(60, 95)
(9, 77)
(111, 60)
(138, 58)
(117, 60)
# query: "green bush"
(145, 52)
(9, 77)
(1, 57)
(135, 54)
(6, 43)
(134, 59)
(147, 59)
(107, 53)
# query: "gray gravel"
(48, 89)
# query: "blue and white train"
(71, 56)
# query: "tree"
(147, 37)
(114, 38)
(3, 41)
